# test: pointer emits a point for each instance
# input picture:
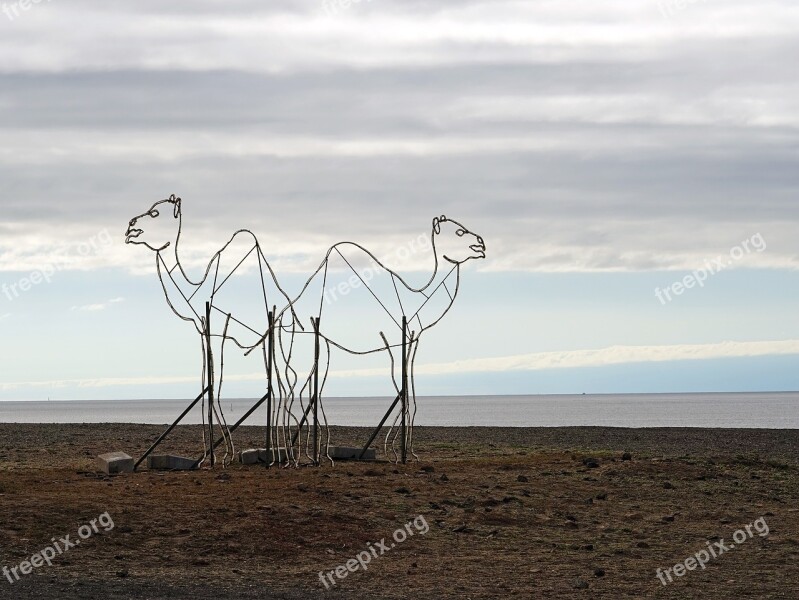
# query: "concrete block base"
(115, 462)
(345, 453)
(255, 456)
(167, 462)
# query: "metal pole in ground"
(209, 357)
(316, 393)
(269, 367)
(404, 389)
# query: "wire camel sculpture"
(218, 294)
(390, 314)
(391, 317)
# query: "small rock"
(668, 519)
(123, 573)
(626, 456)
(602, 496)
(403, 490)
(428, 469)
(444, 477)
(580, 584)
(591, 463)
(642, 545)
(667, 485)
(599, 572)
(522, 479)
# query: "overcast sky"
(602, 149)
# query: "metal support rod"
(169, 430)
(404, 445)
(316, 393)
(269, 367)
(238, 424)
(379, 427)
(209, 357)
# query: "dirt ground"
(526, 513)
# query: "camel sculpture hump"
(242, 284)
(353, 286)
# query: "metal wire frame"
(170, 277)
(409, 347)
(287, 428)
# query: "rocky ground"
(527, 513)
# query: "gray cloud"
(570, 137)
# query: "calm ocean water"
(746, 410)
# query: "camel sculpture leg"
(296, 357)
(410, 407)
(306, 392)
(217, 348)
(411, 416)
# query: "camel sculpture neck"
(442, 270)
(168, 259)
(177, 287)
(439, 294)
(444, 273)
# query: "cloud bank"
(573, 137)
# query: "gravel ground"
(528, 513)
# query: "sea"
(779, 410)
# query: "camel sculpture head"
(159, 227)
(455, 242)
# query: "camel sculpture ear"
(177, 202)
(436, 225)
